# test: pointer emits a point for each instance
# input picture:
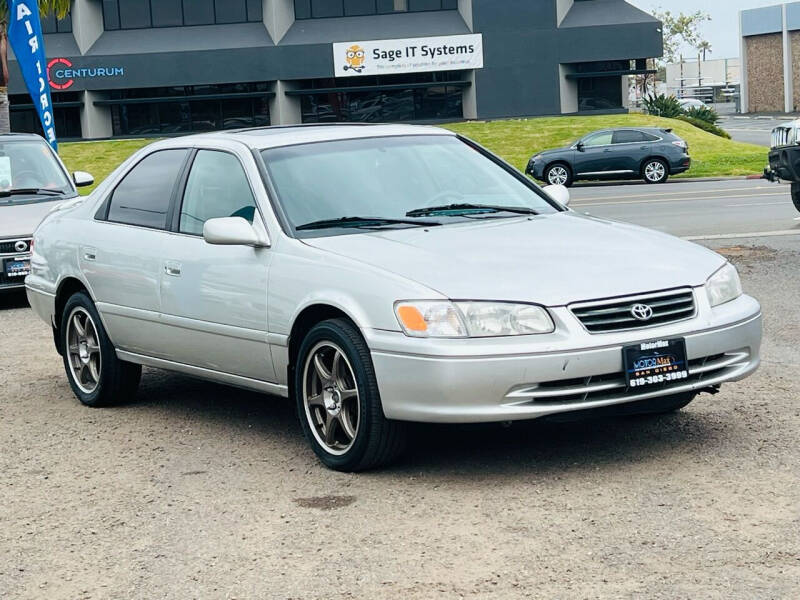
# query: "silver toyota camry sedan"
(379, 275)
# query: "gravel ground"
(201, 491)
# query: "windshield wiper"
(362, 222)
(467, 208)
(28, 191)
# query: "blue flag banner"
(25, 37)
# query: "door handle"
(90, 253)
(172, 269)
(607, 150)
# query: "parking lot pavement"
(696, 209)
(199, 490)
(753, 129)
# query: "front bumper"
(470, 381)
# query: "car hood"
(20, 220)
(550, 259)
(552, 151)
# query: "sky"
(723, 29)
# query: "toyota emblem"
(21, 246)
(642, 312)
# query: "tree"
(59, 8)
(680, 30)
(704, 47)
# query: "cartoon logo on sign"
(355, 59)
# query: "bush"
(703, 113)
(662, 106)
(705, 126)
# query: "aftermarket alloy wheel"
(558, 174)
(95, 374)
(655, 171)
(338, 402)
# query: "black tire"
(377, 440)
(118, 380)
(796, 195)
(551, 168)
(661, 168)
(661, 405)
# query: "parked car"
(627, 153)
(32, 181)
(379, 274)
(784, 157)
(687, 103)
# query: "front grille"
(784, 136)
(616, 314)
(612, 386)
(7, 246)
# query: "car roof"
(658, 130)
(21, 137)
(289, 135)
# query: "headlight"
(444, 319)
(723, 286)
(537, 157)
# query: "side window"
(649, 137)
(142, 198)
(217, 187)
(598, 139)
(626, 136)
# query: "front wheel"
(796, 195)
(655, 171)
(95, 374)
(558, 174)
(338, 402)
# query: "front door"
(214, 298)
(595, 154)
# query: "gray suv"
(649, 153)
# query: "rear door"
(122, 249)
(630, 148)
(595, 155)
(214, 298)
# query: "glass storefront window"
(319, 9)
(384, 106)
(24, 118)
(185, 114)
(140, 14)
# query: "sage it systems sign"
(413, 55)
(62, 73)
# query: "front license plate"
(18, 268)
(655, 363)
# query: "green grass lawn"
(516, 140)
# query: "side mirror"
(580, 147)
(559, 193)
(82, 178)
(232, 231)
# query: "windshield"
(30, 173)
(393, 178)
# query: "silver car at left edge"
(33, 181)
(379, 275)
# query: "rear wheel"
(796, 195)
(96, 375)
(338, 400)
(558, 174)
(655, 170)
